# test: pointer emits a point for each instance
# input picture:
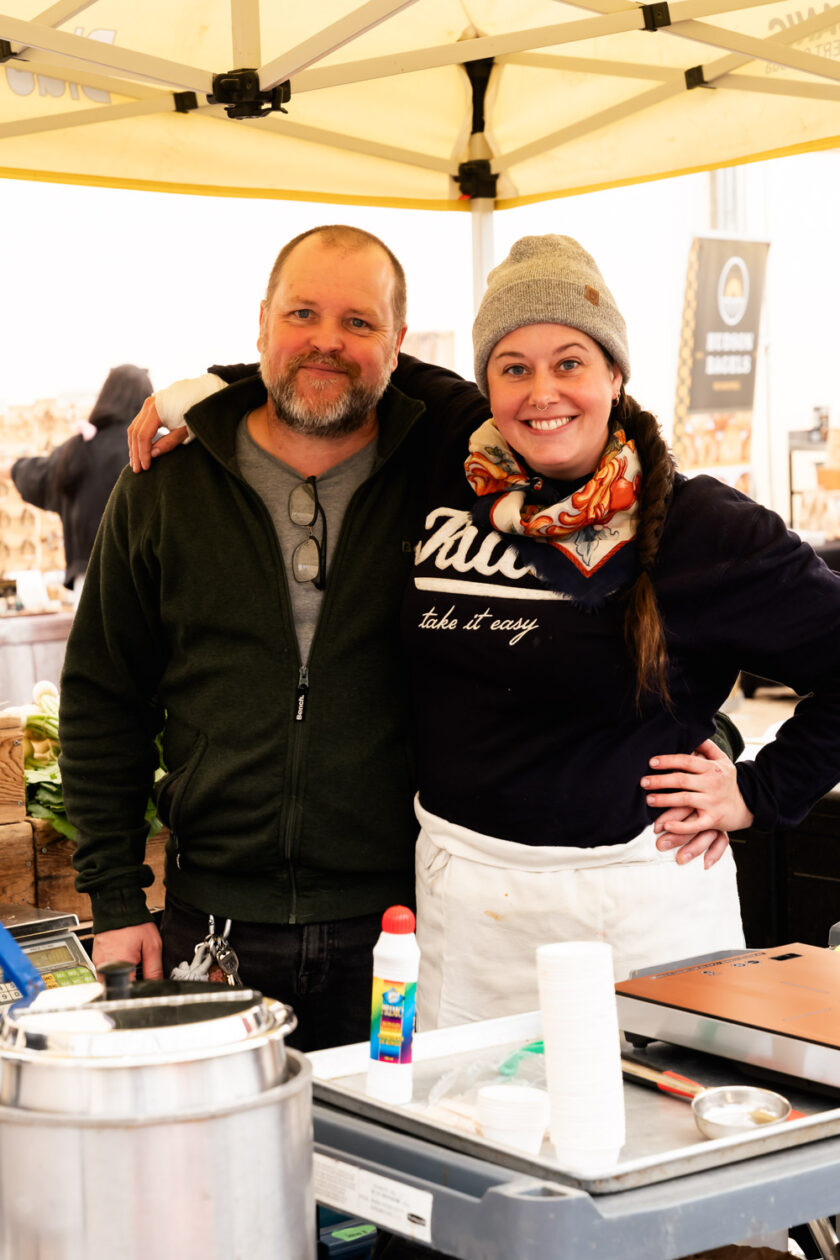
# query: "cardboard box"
(12, 785)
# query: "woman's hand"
(143, 447)
(167, 409)
(701, 804)
(710, 842)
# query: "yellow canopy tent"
(380, 104)
(444, 104)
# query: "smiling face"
(551, 393)
(327, 340)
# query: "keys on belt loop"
(215, 948)
(228, 960)
(223, 952)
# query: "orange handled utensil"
(670, 1082)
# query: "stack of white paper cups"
(515, 1115)
(582, 1053)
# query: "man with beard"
(243, 599)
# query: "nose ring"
(544, 407)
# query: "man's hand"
(702, 805)
(142, 446)
(140, 944)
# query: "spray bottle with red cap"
(396, 959)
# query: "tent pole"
(481, 210)
(478, 180)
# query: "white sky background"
(95, 277)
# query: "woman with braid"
(577, 613)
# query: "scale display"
(59, 958)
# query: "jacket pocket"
(188, 745)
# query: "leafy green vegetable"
(44, 789)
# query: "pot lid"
(155, 1019)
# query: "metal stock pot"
(171, 1122)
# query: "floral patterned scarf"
(587, 531)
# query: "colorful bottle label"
(392, 1020)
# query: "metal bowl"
(737, 1109)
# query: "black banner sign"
(718, 351)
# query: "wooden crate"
(17, 864)
(55, 875)
(12, 787)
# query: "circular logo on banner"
(733, 290)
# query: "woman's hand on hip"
(701, 801)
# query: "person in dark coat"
(76, 479)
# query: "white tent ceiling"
(581, 95)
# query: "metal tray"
(662, 1140)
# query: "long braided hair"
(644, 631)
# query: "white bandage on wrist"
(175, 401)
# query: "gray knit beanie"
(548, 280)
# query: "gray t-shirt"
(274, 481)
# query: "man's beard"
(343, 415)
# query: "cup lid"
(158, 1019)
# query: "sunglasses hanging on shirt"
(309, 558)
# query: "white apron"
(484, 905)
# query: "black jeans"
(324, 971)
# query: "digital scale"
(774, 1009)
(50, 943)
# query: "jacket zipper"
(291, 814)
(296, 734)
(302, 692)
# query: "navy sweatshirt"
(527, 727)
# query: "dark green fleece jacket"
(288, 798)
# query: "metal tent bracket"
(694, 78)
(475, 179)
(656, 15)
(239, 91)
(185, 101)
